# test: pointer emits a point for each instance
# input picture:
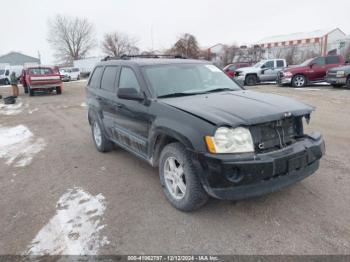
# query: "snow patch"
(83, 104)
(75, 228)
(307, 89)
(13, 109)
(32, 111)
(18, 145)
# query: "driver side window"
(268, 64)
(319, 61)
(128, 79)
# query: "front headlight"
(230, 140)
(340, 73)
(287, 74)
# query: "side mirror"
(129, 94)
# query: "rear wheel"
(299, 81)
(58, 90)
(31, 91)
(178, 176)
(25, 89)
(101, 141)
(251, 80)
(7, 82)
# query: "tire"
(299, 81)
(98, 136)
(348, 82)
(191, 196)
(251, 80)
(78, 78)
(31, 91)
(336, 86)
(25, 89)
(58, 90)
(7, 82)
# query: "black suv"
(206, 134)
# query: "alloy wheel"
(299, 81)
(174, 177)
(97, 134)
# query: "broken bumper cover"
(285, 80)
(242, 176)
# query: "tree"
(229, 54)
(71, 37)
(187, 46)
(117, 44)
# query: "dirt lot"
(59, 195)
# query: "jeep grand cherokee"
(206, 134)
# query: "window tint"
(7, 72)
(128, 79)
(108, 78)
(319, 61)
(75, 70)
(280, 63)
(96, 77)
(268, 64)
(332, 60)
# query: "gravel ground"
(60, 196)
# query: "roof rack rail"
(128, 57)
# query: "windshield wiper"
(179, 94)
(219, 90)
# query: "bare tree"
(229, 53)
(71, 37)
(187, 46)
(117, 44)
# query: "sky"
(156, 24)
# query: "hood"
(340, 68)
(236, 108)
(248, 69)
(295, 68)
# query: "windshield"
(2, 72)
(188, 78)
(40, 71)
(259, 64)
(307, 62)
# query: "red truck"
(41, 78)
(311, 71)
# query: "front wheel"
(299, 81)
(7, 82)
(178, 176)
(251, 80)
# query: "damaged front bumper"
(241, 176)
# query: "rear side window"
(128, 79)
(332, 60)
(96, 77)
(108, 78)
(280, 63)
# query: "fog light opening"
(235, 175)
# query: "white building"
(320, 41)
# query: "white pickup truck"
(263, 71)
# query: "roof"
(15, 58)
(152, 61)
(297, 36)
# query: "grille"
(277, 134)
(331, 74)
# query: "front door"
(268, 72)
(317, 69)
(132, 121)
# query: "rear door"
(331, 62)
(108, 97)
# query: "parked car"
(5, 76)
(231, 69)
(70, 73)
(41, 78)
(311, 71)
(339, 76)
(263, 71)
(206, 135)
(5, 73)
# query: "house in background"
(18, 59)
